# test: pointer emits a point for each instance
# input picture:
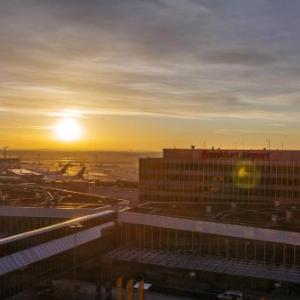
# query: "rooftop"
(283, 217)
(34, 201)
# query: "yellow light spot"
(245, 175)
(242, 172)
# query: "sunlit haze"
(68, 130)
(143, 75)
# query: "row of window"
(156, 238)
(269, 167)
(185, 197)
(218, 178)
(218, 190)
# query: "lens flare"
(245, 175)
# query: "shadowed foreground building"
(183, 238)
(38, 245)
(216, 220)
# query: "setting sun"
(68, 129)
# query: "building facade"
(200, 175)
(173, 250)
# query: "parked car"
(231, 295)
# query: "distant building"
(9, 163)
(201, 175)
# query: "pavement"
(87, 291)
(64, 289)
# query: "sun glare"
(68, 130)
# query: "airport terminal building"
(201, 175)
(227, 218)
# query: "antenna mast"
(4, 151)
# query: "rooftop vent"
(274, 218)
(288, 216)
(208, 210)
(276, 203)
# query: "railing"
(35, 237)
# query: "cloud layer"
(182, 59)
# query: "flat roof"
(255, 215)
(38, 202)
(60, 212)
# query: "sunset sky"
(142, 75)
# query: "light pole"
(4, 151)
